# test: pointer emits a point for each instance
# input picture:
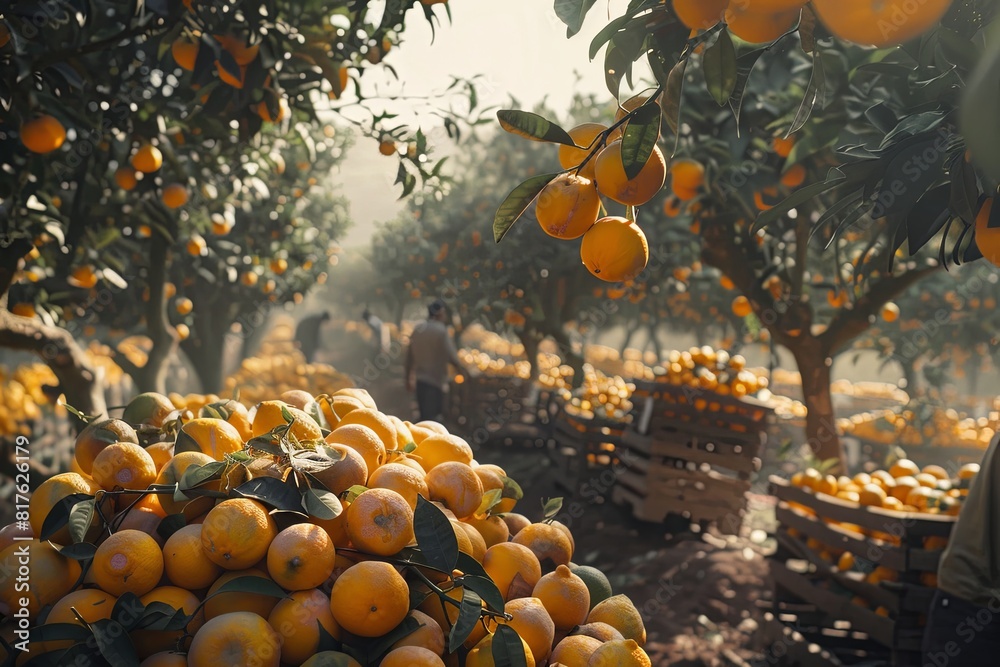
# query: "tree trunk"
(207, 348)
(153, 375)
(911, 376)
(80, 382)
(530, 341)
(821, 433)
(569, 356)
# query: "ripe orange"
(439, 448)
(547, 543)
(755, 27)
(457, 486)
(687, 174)
(937, 471)
(700, 14)
(301, 557)
(794, 177)
(574, 651)
(49, 493)
(186, 563)
(987, 240)
(429, 635)
(619, 653)
(565, 596)
(185, 53)
(98, 435)
(890, 312)
(13, 532)
(161, 453)
(380, 522)
(265, 113)
(411, 656)
(613, 183)
(124, 464)
(214, 437)
(568, 206)
(148, 642)
(128, 561)
(481, 654)
(493, 529)
(52, 575)
(477, 545)
(903, 468)
(363, 440)
(125, 178)
(90, 603)
(884, 23)
(514, 568)
(237, 533)
(401, 478)
(387, 147)
(872, 495)
(147, 159)
(614, 249)
(358, 394)
(337, 406)
(492, 477)
(533, 624)
(297, 618)
(619, 612)
(165, 659)
(233, 412)
(149, 408)
(583, 136)
(269, 415)
(239, 638)
(516, 522)
(174, 195)
(376, 421)
(42, 134)
(741, 306)
(226, 603)
(173, 472)
(348, 470)
(370, 598)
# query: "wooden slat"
(675, 448)
(889, 556)
(681, 496)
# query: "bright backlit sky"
(519, 46)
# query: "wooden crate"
(491, 405)
(581, 447)
(690, 453)
(811, 529)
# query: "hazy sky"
(519, 46)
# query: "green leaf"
(490, 500)
(58, 516)
(606, 33)
(532, 126)
(114, 643)
(551, 507)
(407, 627)
(354, 492)
(195, 476)
(80, 518)
(59, 632)
(719, 65)
(469, 614)
(127, 610)
(507, 648)
(184, 442)
(572, 13)
(807, 29)
(273, 492)
(814, 94)
(469, 565)
(797, 198)
(79, 551)
(170, 524)
(513, 206)
(435, 535)
(321, 503)
(287, 415)
(672, 99)
(327, 642)
(486, 589)
(410, 447)
(251, 584)
(511, 489)
(641, 134)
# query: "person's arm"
(409, 367)
(453, 356)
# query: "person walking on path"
(307, 334)
(963, 626)
(430, 351)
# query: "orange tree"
(134, 103)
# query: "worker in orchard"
(963, 626)
(431, 350)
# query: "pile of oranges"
(945, 427)
(307, 530)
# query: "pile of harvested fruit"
(303, 531)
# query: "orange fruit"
(742, 307)
(43, 134)
(481, 654)
(149, 409)
(619, 653)
(124, 464)
(583, 136)
(565, 596)
(614, 250)
(987, 240)
(567, 206)
(872, 495)
(516, 522)
(214, 437)
(883, 23)
(348, 470)
(49, 493)
(83, 276)
(457, 486)
(783, 145)
(794, 176)
(173, 472)
(599, 631)
(228, 78)
(376, 421)
(15, 532)
(128, 561)
(239, 638)
(165, 659)
(52, 575)
(477, 545)
(401, 478)
(370, 598)
(265, 112)
(493, 529)
(903, 487)
(440, 448)
(229, 602)
(237, 533)
(90, 603)
(174, 195)
(387, 147)
(687, 174)
(619, 612)
(574, 651)
(547, 543)
(125, 178)
(434, 426)
(144, 519)
(359, 394)
(411, 656)
(614, 184)
(890, 312)
(269, 415)
(904, 468)
(185, 53)
(533, 624)
(925, 479)
(301, 557)
(492, 477)
(148, 642)
(755, 27)
(233, 412)
(186, 563)
(937, 471)
(161, 453)
(968, 471)
(242, 53)
(514, 568)
(147, 159)
(98, 435)
(336, 407)
(380, 522)
(363, 440)
(699, 14)
(297, 618)
(429, 635)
